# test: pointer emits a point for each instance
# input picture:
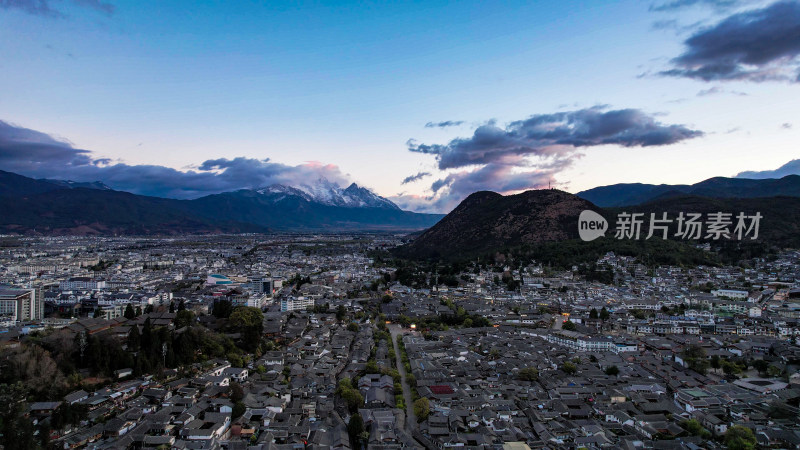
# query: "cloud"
(413, 178)
(549, 135)
(453, 188)
(40, 155)
(756, 45)
(718, 90)
(675, 5)
(45, 8)
(786, 126)
(790, 168)
(445, 124)
(530, 153)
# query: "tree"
(341, 313)
(138, 311)
(528, 374)
(693, 427)
(612, 371)
(134, 339)
(761, 366)
(352, 327)
(354, 429)
(739, 437)
(236, 392)
(130, 314)
(16, 430)
(222, 309)
(569, 368)
(238, 409)
(716, 362)
(569, 326)
(593, 314)
(250, 322)
(182, 305)
(184, 318)
(171, 307)
(604, 314)
(422, 409)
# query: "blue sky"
(344, 90)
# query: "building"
(730, 293)
(261, 285)
(296, 303)
(19, 305)
(216, 279)
(81, 284)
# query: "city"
(289, 341)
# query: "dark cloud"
(412, 178)
(549, 135)
(530, 153)
(786, 126)
(756, 45)
(675, 5)
(790, 168)
(445, 124)
(45, 7)
(39, 155)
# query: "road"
(411, 419)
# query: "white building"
(296, 303)
(82, 284)
(19, 305)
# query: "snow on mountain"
(329, 193)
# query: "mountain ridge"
(62, 207)
(629, 194)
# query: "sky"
(422, 102)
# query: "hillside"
(717, 187)
(544, 225)
(486, 221)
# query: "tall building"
(261, 285)
(19, 305)
(294, 304)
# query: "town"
(297, 341)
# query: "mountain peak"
(330, 193)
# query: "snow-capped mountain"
(329, 193)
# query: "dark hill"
(486, 221)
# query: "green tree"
(184, 318)
(238, 409)
(134, 339)
(354, 429)
(761, 366)
(604, 314)
(222, 309)
(739, 437)
(129, 314)
(593, 314)
(528, 374)
(569, 368)
(236, 393)
(612, 370)
(693, 427)
(422, 409)
(569, 326)
(341, 313)
(16, 430)
(352, 326)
